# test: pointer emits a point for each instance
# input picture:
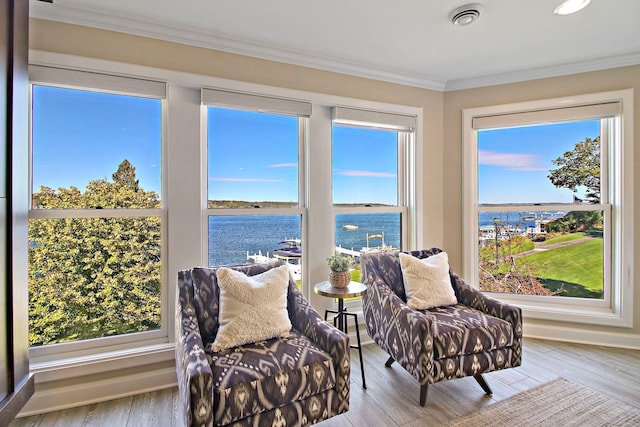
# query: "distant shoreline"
(243, 204)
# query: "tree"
(576, 221)
(503, 270)
(125, 176)
(579, 167)
(94, 277)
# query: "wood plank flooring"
(391, 397)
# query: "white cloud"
(223, 179)
(367, 174)
(511, 161)
(283, 165)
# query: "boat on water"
(291, 252)
(291, 249)
(349, 227)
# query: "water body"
(516, 219)
(230, 237)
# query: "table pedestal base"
(340, 321)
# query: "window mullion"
(605, 153)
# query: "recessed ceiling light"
(568, 7)
(465, 15)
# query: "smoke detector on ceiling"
(465, 15)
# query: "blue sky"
(514, 163)
(252, 156)
(365, 166)
(364, 161)
(79, 136)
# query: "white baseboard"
(86, 393)
(50, 399)
(582, 336)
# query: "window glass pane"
(533, 250)
(364, 166)
(361, 232)
(252, 159)
(255, 238)
(80, 138)
(93, 277)
(553, 163)
(556, 253)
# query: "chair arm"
(195, 378)
(306, 319)
(404, 333)
(473, 298)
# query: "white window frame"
(258, 103)
(616, 309)
(43, 356)
(184, 180)
(404, 126)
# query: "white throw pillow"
(426, 281)
(252, 308)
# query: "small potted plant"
(339, 265)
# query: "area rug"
(557, 403)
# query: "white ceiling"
(404, 41)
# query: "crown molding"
(68, 15)
(545, 72)
(65, 14)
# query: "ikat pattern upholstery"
(297, 380)
(479, 334)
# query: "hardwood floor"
(391, 397)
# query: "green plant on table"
(339, 263)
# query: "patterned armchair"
(293, 381)
(477, 335)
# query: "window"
(184, 148)
(369, 152)
(96, 220)
(254, 146)
(545, 211)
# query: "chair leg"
(389, 362)
(423, 393)
(483, 383)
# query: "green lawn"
(564, 238)
(355, 274)
(576, 268)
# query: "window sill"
(582, 314)
(70, 365)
